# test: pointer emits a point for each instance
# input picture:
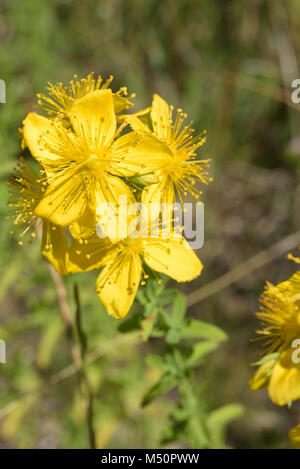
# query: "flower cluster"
(90, 152)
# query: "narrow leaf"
(166, 383)
(199, 329)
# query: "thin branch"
(66, 315)
(255, 85)
(83, 374)
(93, 356)
(78, 352)
(245, 268)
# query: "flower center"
(93, 161)
(175, 169)
(134, 245)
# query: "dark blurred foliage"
(229, 65)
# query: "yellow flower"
(119, 280)
(280, 316)
(26, 191)
(281, 377)
(294, 436)
(82, 166)
(180, 170)
(60, 98)
(284, 385)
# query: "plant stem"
(82, 372)
(66, 315)
(78, 352)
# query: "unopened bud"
(145, 180)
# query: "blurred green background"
(229, 65)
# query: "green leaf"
(218, 420)
(173, 336)
(150, 309)
(153, 289)
(141, 297)
(198, 431)
(203, 330)
(224, 415)
(179, 308)
(167, 318)
(147, 326)
(180, 415)
(167, 297)
(156, 362)
(267, 359)
(165, 383)
(199, 351)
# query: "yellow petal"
(161, 117)
(290, 287)
(34, 127)
(135, 154)
(261, 376)
(161, 193)
(93, 117)
(113, 190)
(91, 253)
(121, 103)
(55, 247)
(136, 124)
(294, 437)
(117, 284)
(162, 196)
(86, 224)
(64, 200)
(112, 201)
(172, 257)
(141, 113)
(284, 384)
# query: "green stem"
(83, 374)
(190, 401)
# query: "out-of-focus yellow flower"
(119, 280)
(280, 316)
(294, 437)
(26, 191)
(82, 165)
(60, 98)
(180, 171)
(294, 258)
(285, 380)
